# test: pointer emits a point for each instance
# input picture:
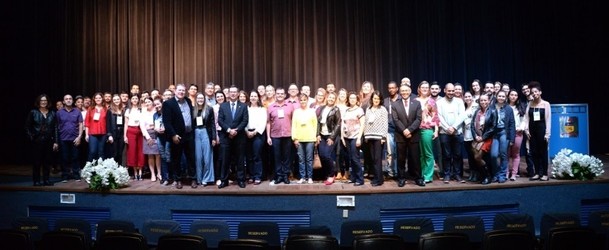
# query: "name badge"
(119, 120)
(536, 116)
(199, 121)
(280, 114)
(96, 116)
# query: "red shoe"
(329, 181)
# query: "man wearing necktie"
(232, 118)
(406, 114)
(232, 109)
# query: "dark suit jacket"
(226, 121)
(410, 122)
(172, 118)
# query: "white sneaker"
(310, 181)
(272, 183)
(301, 181)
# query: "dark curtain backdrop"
(83, 46)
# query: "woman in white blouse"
(133, 137)
(150, 146)
(255, 137)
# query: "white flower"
(569, 165)
(105, 174)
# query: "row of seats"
(409, 230)
(560, 238)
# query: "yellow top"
(304, 125)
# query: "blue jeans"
(69, 159)
(305, 159)
(353, 156)
(342, 161)
(204, 163)
(282, 148)
(165, 157)
(327, 156)
(96, 147)
(499, 158)
(254, 156)
(393, 165)
(451, 154)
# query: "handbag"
(316, 160)
(486, 145)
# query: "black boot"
(484, 176)
(474, 176)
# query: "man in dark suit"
(178, 122)
(232, 118)
(406, 114)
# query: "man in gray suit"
(406, 114)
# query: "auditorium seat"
(350, 229)
(109, 226)
(261, 230)
(472, 226)
(213, 231)
(410, 230)
(182, 242)
(570, 238)
(121, 240)
(36, 227)
(599, 222)
(444, 240)
(550, 220)
(509, 239)
(378, 241)
(154, 229)
(243, 244)
(311, 230)
(514, 221)
(16, 239)
(312, 241)
(75, 225)
(64, 240)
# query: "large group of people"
(227, 135)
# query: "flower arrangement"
(569, 165)
(103, 175)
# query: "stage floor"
(18, 178)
